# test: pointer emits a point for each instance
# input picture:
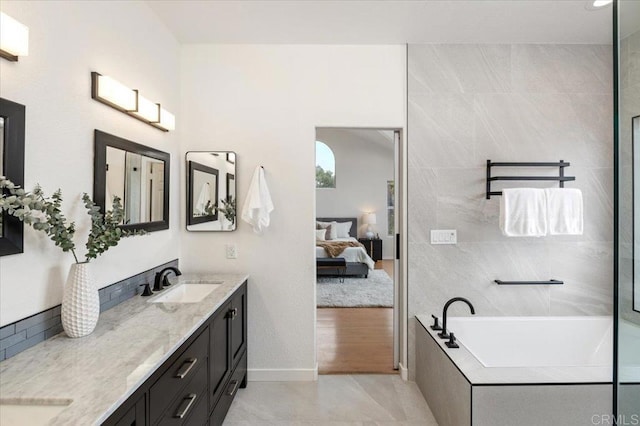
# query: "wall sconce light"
(14, 38)
(118, 96)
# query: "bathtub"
(517, 370)
(536, 341)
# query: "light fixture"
(111, 92)
(146, 110)
(370, 219)
(597, 4)
(14, 38)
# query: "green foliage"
(229, 209)
(45, 214)
(325, 178)
(105, 230)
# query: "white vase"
(80, 303)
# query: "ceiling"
(384, 21)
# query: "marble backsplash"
(471, 103)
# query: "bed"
(358, 261)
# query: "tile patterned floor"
(340, 400)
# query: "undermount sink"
(186, 293)
(30, 412)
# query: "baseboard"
(282, 375)
(404, 373)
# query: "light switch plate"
(444, 236)
(232, 251)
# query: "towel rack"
(561, 178)
(550, 282)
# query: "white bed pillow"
(320, 234)
(342, 228)
(332, 231)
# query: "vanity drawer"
(178, 375)
(190, 403)
(220, 411)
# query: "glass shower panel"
(628, 314)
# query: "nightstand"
(373, 247)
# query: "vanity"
(150, 361)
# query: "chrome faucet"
(161, 277)
(443, 334)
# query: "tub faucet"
(443, 334)
(161, 277)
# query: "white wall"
(264, 102)
(68, 40)
(363, 168)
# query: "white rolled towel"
(564, 211)
(258, 205)
(523, 212)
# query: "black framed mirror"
(12, 123)
(211, 191)
(203, 198)
(139, 175)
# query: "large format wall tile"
(545, 68)
(443, 130)
(540, 405)
(471, 103)
(459, 68)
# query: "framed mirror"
(211, 191)
(12, 123)
(135, 173)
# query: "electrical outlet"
(232, 251)
(444, 236)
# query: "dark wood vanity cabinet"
(197, 384)
(132, 414)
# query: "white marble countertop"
(100, 371)
(478, 374)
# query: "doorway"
(358, 215)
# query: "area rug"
(376, 291)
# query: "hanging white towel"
(564, 211)
(258, 206)
(523, 212)
(204, 199)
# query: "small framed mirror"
(211, 191)
(12, 123)
(138, 175)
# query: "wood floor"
(356, 340)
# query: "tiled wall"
(471, 103)
(23, 334)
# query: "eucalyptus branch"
(229, 209)
(105, 230)
(44, 214)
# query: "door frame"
(400, 323)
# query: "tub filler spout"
(444, 334)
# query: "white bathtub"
(527, 371)
(536, 341)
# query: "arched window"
(325, 166)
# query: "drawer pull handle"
(185, 405)
(233, 313)
(185, 368)
(235, 384)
